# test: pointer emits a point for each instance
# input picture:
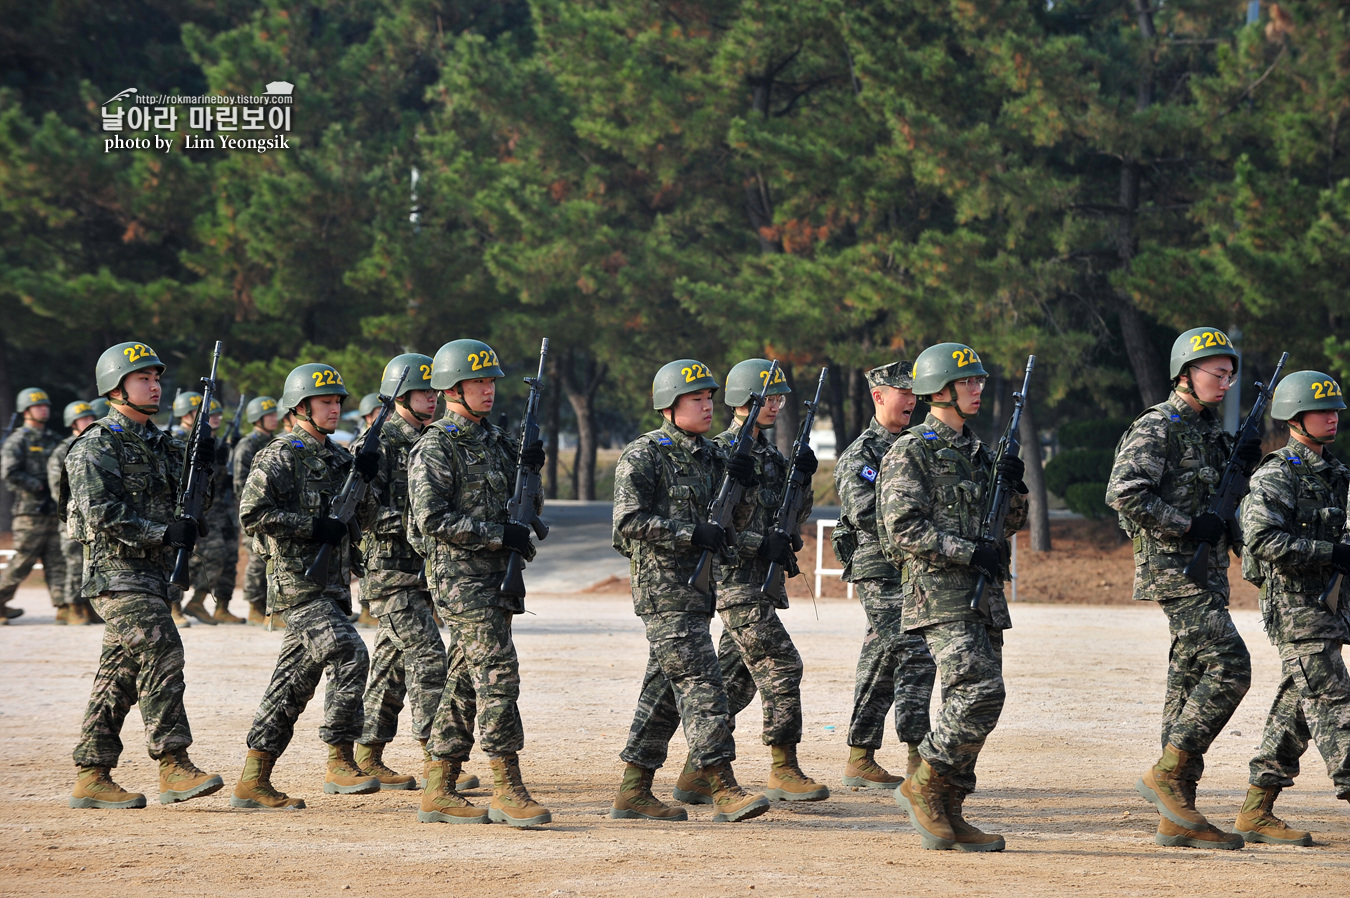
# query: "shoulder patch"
(868, 473)
(299, 444)
(929, 435)
(115, 428)
(1174, 416)
(664, 440)
(451, 427)
(1293, 459)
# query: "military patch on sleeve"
(929, 435)
(664, 440)
(1174, 416)
(451, 428)
(115, 428)
(299, 444)
(1294, 459)
(868, 473)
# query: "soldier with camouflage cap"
(894, 667)
(37, 533)
(261, 412)
(77, 611)
(663, 485)
(931, 495)
(119, 492)
(460, 475)
(285, 506)
(1293, 524)
(1168, 465)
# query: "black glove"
(368, 464)
(516, 537)
(181, 534)
(797, 542)
(709, 536)
(987, 560)
(1340, 557)
(777, 547)
(533, 456)
(1011, 468)
(329, 530)
(205, 457)
(1208, 528)
(1249, 453)
(741, 468)
(806, 462)
(222, 453)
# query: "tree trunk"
(554, 399)
(862, 403)
(581, 395)
(837, 410)
(1035, 480)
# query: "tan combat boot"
(786, 780)
(914, 760)
(366, 620)
(62, 615)
(511, 802)
(732, 802)
(196, 609)
(924, 797)
(635, 800)
(440, 802)
(345, 776)
(863, 772)
(180, 620)
(1174, 798)
(1206, 835)
(78, 614)
(463, 781)
(222, 614)
(1256, 822)
(257, 614)
(967, 837)
(94, 788)
(180, 779)
(254, 789)
(370, 758)
(692, 787)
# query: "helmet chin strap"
(463, 403)
(952, 403)
(1297, 427)
(403, 401)
(143, 409)
(308, 415)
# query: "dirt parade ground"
(1085, 687)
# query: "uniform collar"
(958, 440)
(875, 429)
(1310, 458)
(402, 427)
(146, 431)
(466, 424)
(307, 440)
(1183, 408)
(688, 441)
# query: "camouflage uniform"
(1168, 464)
(409, 656)
(71, 548)
(255, 573)
(460, 475)
(293, 480)
(931, 490)
(121, 485)
(894, 667)
(37, 529)
(755, 652)
(663, 485)
(215, 557)
(1290, 519)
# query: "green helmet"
(1200, 343)
(119, 361)
(369, 403)
(313, 379)
(419, 373)
(259, 407)
(75, 411)
(939, 365)
(29, 397)
(463, 360)
(1305, 391)
(186, 402)
(100, 407)
(749, 377)
(674, 379)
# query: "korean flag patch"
(868, 473)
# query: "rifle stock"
(193, 495)
(794, 490)
(1001, 497)
(529, 485)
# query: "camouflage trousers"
(894, 668)
(1208, 673)
(682, 685)
(255, 581)
(408, 660)
(73, 550)
(483, 684)
(756, 653)
(37, 537)
(1312, 703)
(318, 639)
(969, 658)
(141, 662)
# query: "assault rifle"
(232, 434)
(344, 505)
(529, 485)
(729, 496)
(1001, 498)
(196, 476)
(1233, 484)
(14, 420)
(794, 492)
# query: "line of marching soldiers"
(438, 538)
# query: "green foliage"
(1088, 499)
(1091, 434)
(1077, 466)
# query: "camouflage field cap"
(897, 374)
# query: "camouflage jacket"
(1168, 465)
(460, 478)
(1291, 518)
(23, 468)
(392, 564)
(932, 491)
(855, 480)
(56, 463)
(119, 492)
(241, 463)
(742, 579)
(294, 479)
(663, 485)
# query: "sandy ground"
(1085, 689)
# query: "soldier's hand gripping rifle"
(729, 496)
(345, 503)
(796, 488)
(529, 485)
(1233, 484)
(197, 476)
(1001, 498)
